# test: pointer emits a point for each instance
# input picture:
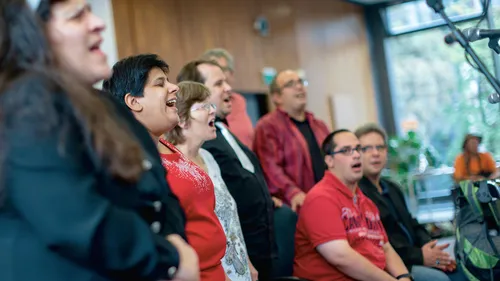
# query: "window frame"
(378, 33)
(455, 19)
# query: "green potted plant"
(407, 155)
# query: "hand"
(189, 268)
(253, 272)
(476, 178)
(297, 201)
(277, 202)
(434, 256)
(451, 267)
(227, 278)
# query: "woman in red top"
(153, 103)
(195, 190)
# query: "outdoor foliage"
(433, 85)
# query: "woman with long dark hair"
(84, 195)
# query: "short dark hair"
(328, 144)
(371, 128)
(274, 88)
(131, 74)
(469, 137)
(190, 72)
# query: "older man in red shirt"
(287, 141)
(339, 233)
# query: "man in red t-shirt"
(339, 233)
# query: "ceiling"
(377, 2)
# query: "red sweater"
(195, 190)
(284, 154)
(239, 121)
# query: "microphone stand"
(493, 44)
(437, 6)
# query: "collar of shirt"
(218, 119)
(385, 188)
(335, 183)
(309, 115)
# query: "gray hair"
(220, 53)
(371, 128)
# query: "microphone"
(494, 98)
(436, 5)
(450, 39)
(473, 34)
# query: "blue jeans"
(424, 273)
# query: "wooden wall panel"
(333, 51)
(279, 49)
(226, 24)
(326, 38)
(124, 25)
(158, 30)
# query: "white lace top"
(235, 260)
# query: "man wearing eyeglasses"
(339, 234)
(411, 241)
(287, 141)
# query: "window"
(436, 93)
(435, 90)
(495, 9)
(411, 16)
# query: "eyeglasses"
(294, 83)
(347, 150)
(226, 69)
(204, 106)
(371, 148)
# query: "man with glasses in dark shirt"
(425, 259)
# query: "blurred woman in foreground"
(80, 194)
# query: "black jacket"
(63, 216)
(249, 190)
(410, 254)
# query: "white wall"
(104, 10)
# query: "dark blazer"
(249, 190)
(63, 216)
(410, 254)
